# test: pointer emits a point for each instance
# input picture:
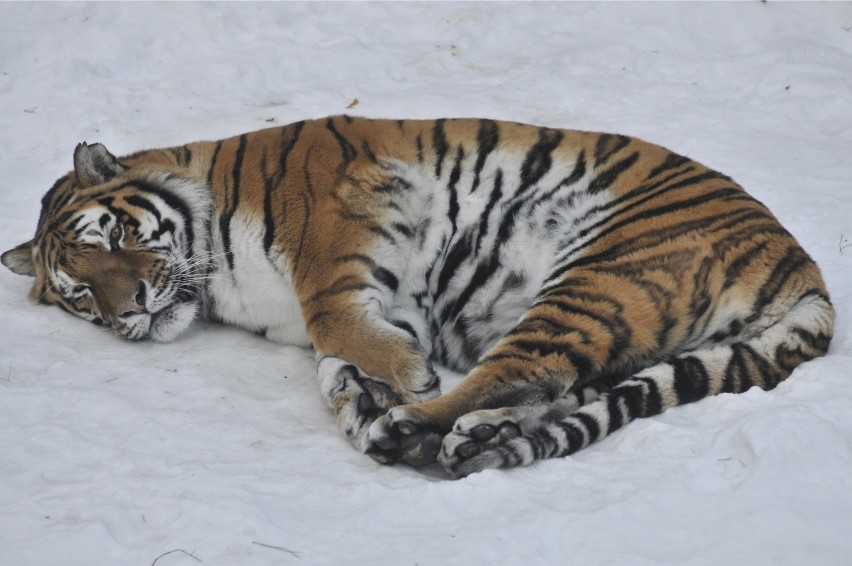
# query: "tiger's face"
(117, 247)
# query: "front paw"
(357, 399)
(404, 435)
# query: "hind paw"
(402, 435)
(486, 439)
(357, 399)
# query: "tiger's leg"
(504, 438)
(519, 371)
(359, 397)
(762, 358)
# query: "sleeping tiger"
(580, 280)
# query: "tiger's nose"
(136, 303)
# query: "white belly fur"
(257, 297)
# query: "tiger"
(578, 280)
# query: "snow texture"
(218, 449)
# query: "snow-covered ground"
(218, 449)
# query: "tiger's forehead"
(79, 219)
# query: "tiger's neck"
(244, 277)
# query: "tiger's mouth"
(172, 321)
(166, 323)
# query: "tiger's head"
(121, 246)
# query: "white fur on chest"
(256, 296)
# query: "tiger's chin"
(172, 321)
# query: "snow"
(218, 449)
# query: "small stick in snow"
(842, 245)
(281, 548)
(172, 552)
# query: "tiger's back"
(582, 279)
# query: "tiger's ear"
(20, 259)
(94, 165)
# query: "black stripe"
(382, 233)
(345, 284)
(143, 203)
(818, 343)
(73, 226)
(487, 139)
(794, 259)
(459, 252)
(767, 376)
(394, 185)
(604, 180)
(614, 324)
(182, 155)
(613, 406)
(172, 201)
(737, 377)
(419, 142)
(406, 231)
(608, 145)
(455, 175)
(672, 161)
(507, 224)
(269, 185)
(535, 326)
(61, 219)
(541, 348)
(541, 323)
(700, 295)
(440, 145)
(691, 381)
(213, 163)
(736, 267)
(369, 152)
(346, 149)
(231, 208)
(618, 250)
(576, 303)
(484, 271)
(653, 401)
(538, 160)
(648, 192)
(307, 198)
(402, 325)
(163, 226)
(386, 278)
(496, 193)
(573, 178)
(590, 423)
(573, 436)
